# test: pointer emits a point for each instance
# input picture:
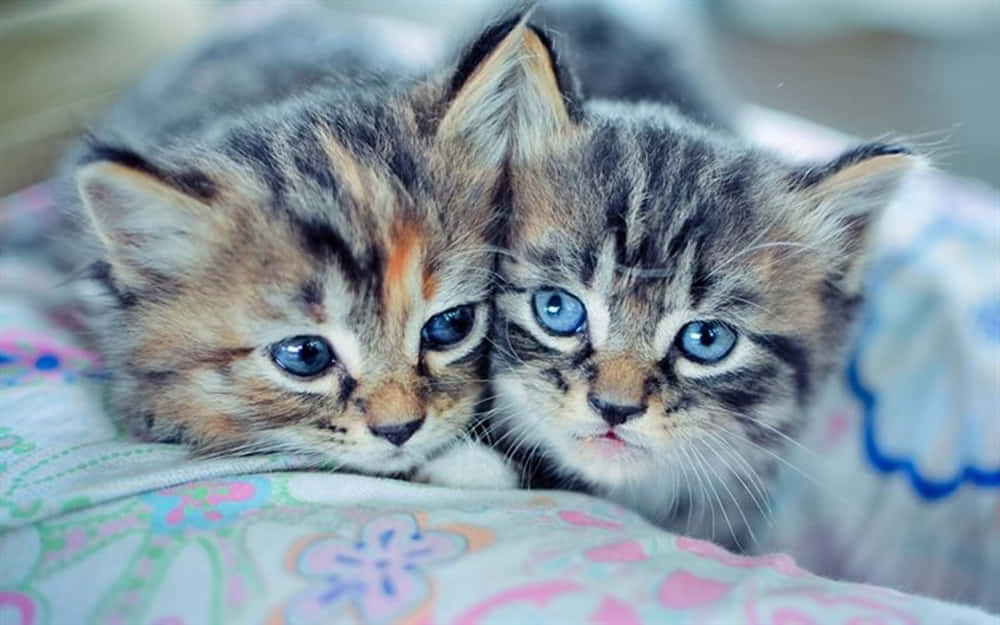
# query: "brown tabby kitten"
(295, 250)
(671, 297)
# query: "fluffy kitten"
(671, 298)
(293, 250)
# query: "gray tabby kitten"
(671, 298)
(293, 250)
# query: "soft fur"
(267, 185)
(654, 221)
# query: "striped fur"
(235, 205)
(654, 221)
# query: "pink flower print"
(19, 608)
(683, 591)
(624, 551)
(817, 605)
(206, 505)
(579, 518)
(601, 515)
(29, 357)
(778, 562)
(381, 574)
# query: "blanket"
(897, 483)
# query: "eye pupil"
(310, 352)
(554, 305)
(708, 337)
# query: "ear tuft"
(847, 196)
(510, 96)
(866, 153)
(481, 48)
(147, 227)
(191, 182)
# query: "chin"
(603, 463)
(384, 463)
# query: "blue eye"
(559, 312)
(706, 342)
(303, 356)
(447, 328)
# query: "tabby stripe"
(347, 387)
(325, 243)
(651, 141)
(685, 183)
(693, 226)
(747, 388)
(519, 344)
(793, 353)
(311, 160)
(605, 155)
(256, 151)
(736, 179)
(554, 377)
(311, 293)
(101, 272)
(615, 221)
(701, 280)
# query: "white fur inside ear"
(846, 206)
(144, 224)
(511, 105)
(469, 465)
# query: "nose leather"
(614, 414)
(398, 433)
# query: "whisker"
(802, 472)
(704, 465)
(752, 475)
(732, 496)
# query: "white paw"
(469, 465)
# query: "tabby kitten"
(671, 298)
(293, 250)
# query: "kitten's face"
(670, 297)
(314, 283)
(645, 303)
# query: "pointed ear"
(151, 225)
(846, 198)
(509, 96)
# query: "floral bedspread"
(900, 488)
(99, 529)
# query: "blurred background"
(923, 70)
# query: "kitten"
(294, 251)
(671, 298)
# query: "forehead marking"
(429, 284)
(405, 254)
(312, 298)
(344, 164)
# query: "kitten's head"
(312, 278)
(666, 285)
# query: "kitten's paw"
(469, 465)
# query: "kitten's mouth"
(609, 442)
